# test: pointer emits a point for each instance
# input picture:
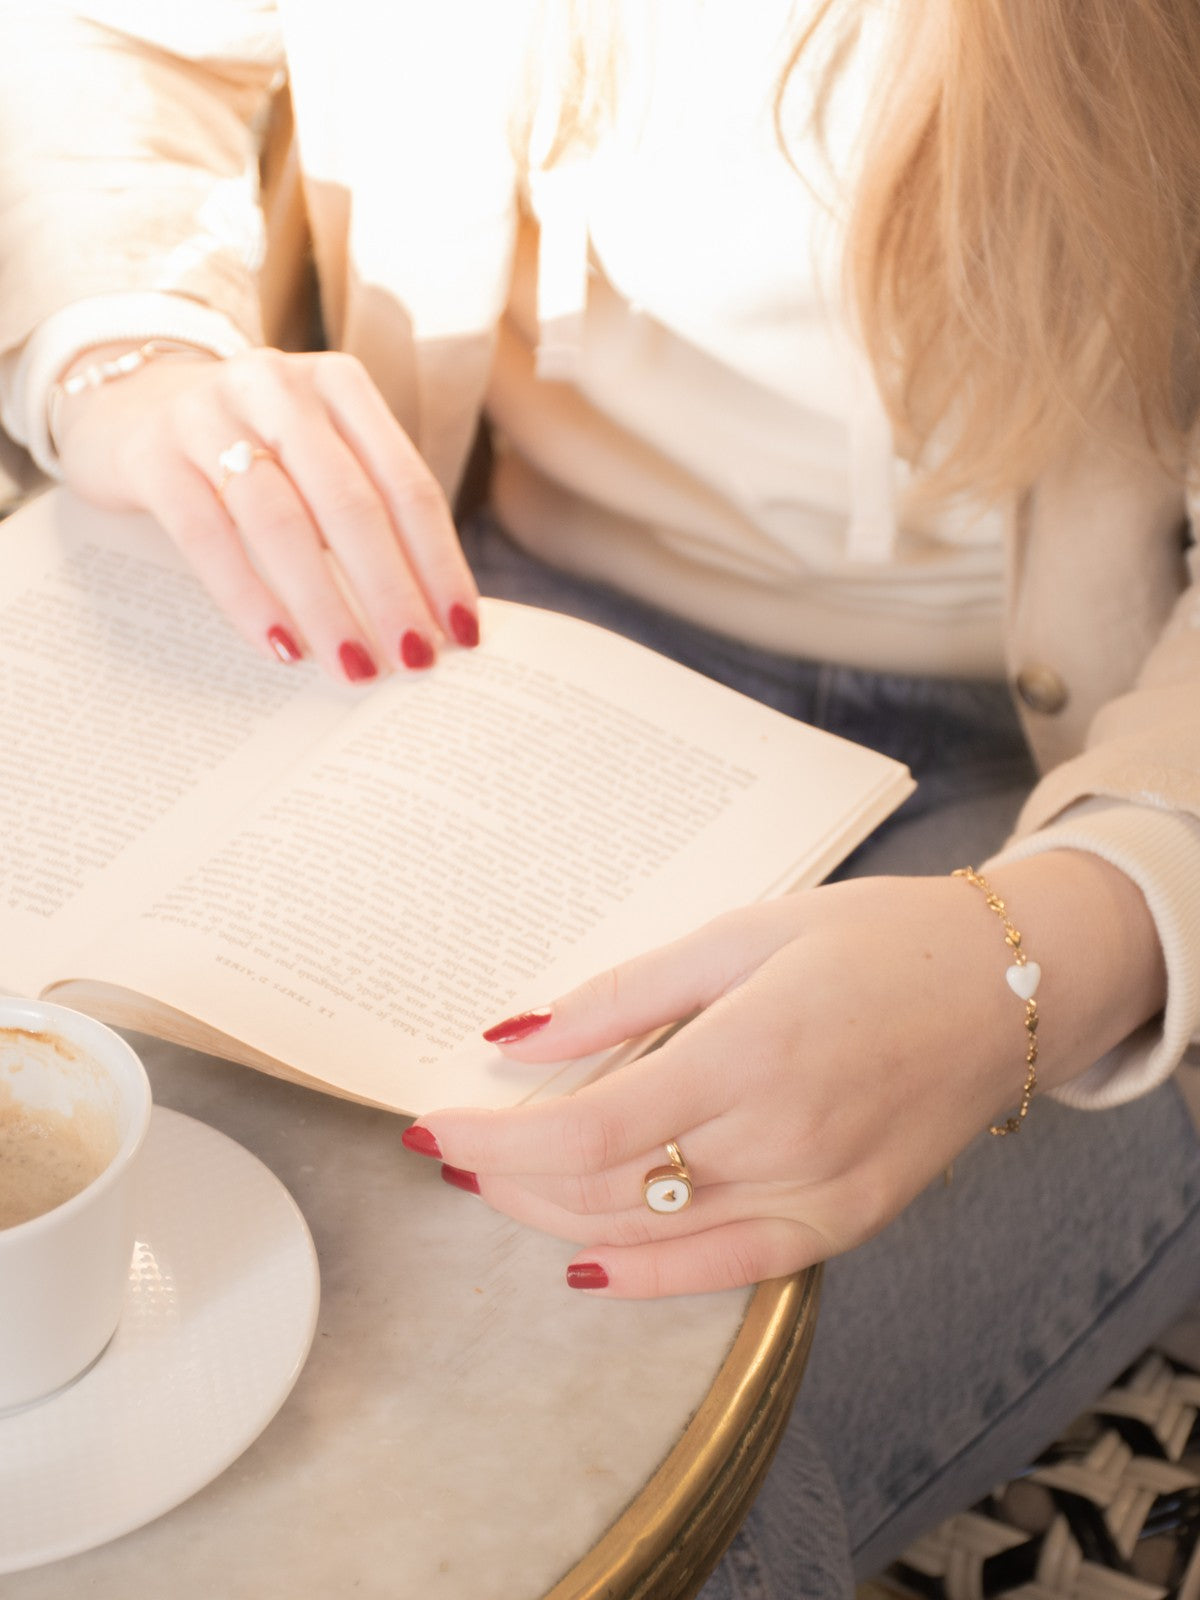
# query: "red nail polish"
(460, 1179)
(284, 646)
(587, 1275)
(416, 651)
(518, 1027)
(356, 663)
(464, 625)
(421, 1142)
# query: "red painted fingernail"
(587, 1275)
(284, 646)
(421, 1142)
(464, 625)
(518, 1027)
(356, 663)
(415, 650)
(461, 1179)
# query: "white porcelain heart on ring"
(1024, 980)
(237, 458)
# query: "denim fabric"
(956, 1344)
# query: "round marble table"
(465, 1425)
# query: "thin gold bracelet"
(101, 372)
(1023, 977)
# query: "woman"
(620, 232)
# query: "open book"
(343, 886)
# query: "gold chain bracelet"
(122, 366)
(1023, 977)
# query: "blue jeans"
(956, 1344)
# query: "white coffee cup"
(63, 1273)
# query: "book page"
(477, 839)
(133, 720)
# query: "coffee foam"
(54, 1139)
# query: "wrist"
(95, 368)
(1088, 926)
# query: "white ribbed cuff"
(27, 376)
(1160, 851)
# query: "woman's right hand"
(340, 477)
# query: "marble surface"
(465, 1425)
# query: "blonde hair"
(1024, 240)
(577, 50)
(1023, 248)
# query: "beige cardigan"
(145, 225)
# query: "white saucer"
(218, 1319)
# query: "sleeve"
(28, 373)
(128, 176)
(1132, 796)
(1160, 851)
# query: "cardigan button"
(1041, 689)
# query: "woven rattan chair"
(1111, 1511)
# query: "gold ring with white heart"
(237, 461)
(666, 1189)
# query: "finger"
(602, 1194)
(651, 990)
(696, 1077)
(412, 494)
(726, 1257)
(282, 543)
(181, 500)
(719, 1153)
(277, 397)
(757, 1171)
(352, 519)
(617, 1121)
(710, 1208)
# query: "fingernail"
(356, 663)
(421, 1142)
(416, 651)
(518, 1027)
(284, 646)
(464, 625)
(461, 1179)
(587, 1275)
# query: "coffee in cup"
(46, 1155)
(74, 1110)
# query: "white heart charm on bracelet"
(1024, 980)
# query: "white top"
(769, 493)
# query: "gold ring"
(237, 460)
(666, 1189)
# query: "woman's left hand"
(849, 1042)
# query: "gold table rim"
(765, 1360)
